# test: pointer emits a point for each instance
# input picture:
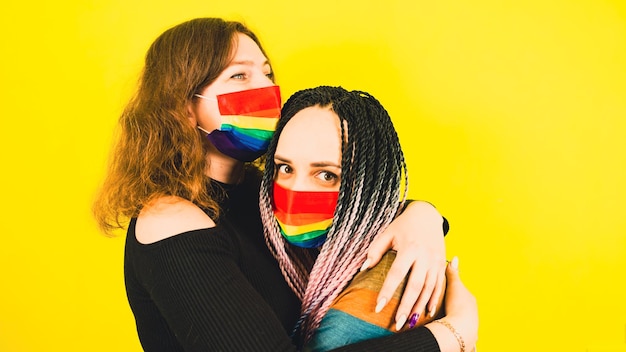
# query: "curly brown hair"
(158, 151)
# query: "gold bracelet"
(456, 334)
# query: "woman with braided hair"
(335, 177)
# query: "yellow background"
(512, 114)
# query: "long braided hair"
(374, 174)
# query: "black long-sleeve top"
(220, 289)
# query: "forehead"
(312, 134)
(246, 49)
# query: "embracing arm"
(418, 237)
(456, 331)
(191, 287)
(352, 317)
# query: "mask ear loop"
(202, 129)
(207, 98)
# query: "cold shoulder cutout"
(167, 217)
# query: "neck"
(223, 168)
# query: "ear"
(191, 114)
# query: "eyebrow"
(246, 62)
(326, 164)
(315, 164)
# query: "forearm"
(426, 215)
(458, 330)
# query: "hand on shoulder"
(169, 216)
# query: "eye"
(283, 169)
(270, 75)
(327, 177)
(238, 76)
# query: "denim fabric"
(339, 329)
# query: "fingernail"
(413, 320)
(400, 322)
(366, 264)
(455, 263)
(381, 304)
(431, 313)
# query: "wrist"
(454, 331)
(449, 337)
(445, 339)
(467, 331)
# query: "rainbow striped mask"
(304, 217)
(249, 120)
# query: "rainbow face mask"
(249, 120)
(304, 217)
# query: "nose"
(294, 182)
(299, 183)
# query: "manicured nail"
(381, 304)
(366, 264)
(413, 320)
(400, 322)
(431, 313)
(455, 263)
